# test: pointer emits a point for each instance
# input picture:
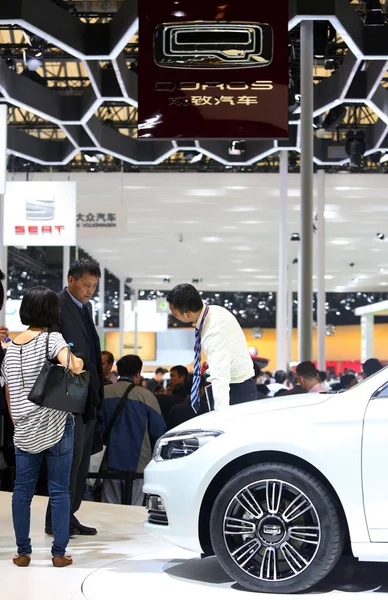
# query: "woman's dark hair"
(84, 266)
(39, 308)
(185, 298)
(2, 277)
(129, 365)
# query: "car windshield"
(370, 378)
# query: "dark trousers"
(83, 440)
(242, 392)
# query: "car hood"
(217, 418)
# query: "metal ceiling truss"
(101, 48)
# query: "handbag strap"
(119, 408)
(47, 345)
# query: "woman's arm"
(76, 364)
(8, 399)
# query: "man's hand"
(3, 332)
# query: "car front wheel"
(276, 528)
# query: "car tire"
(276, 528)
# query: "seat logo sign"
(213, 45)
(38, 211)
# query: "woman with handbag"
(39, 431)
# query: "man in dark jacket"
(77, 327)
(135, 429)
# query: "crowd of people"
(126, 412)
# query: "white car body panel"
(323, 430)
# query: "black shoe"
(82, 530)
(74, 530)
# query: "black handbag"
(57, 387)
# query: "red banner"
(209, 69)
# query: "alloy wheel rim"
(271, 530)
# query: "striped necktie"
(195, 400)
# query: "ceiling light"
(329, 277)
(295, 237)
(197, 158)
(355, 146)
(236, 187)
(204, 192)
(211, 240)
(374, 14)
(381, 236)
(340, 242)
(237, 148)
(334, 118)
(382, 270)
(355, 280)
(238, 209)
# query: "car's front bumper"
(180, 489)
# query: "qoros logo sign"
(192, 86)
(40, 213)
(213, 45)
(213, 70)
(39, 210)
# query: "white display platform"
(122, 560)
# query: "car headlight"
(182, 444)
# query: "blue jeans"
(59, 458)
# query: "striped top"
(36, 428)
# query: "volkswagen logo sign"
(40, 210)
(213, 45)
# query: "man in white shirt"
(224, 345)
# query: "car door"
(375, 465)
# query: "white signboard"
(148, 319)
(96, 218)
(40, 213)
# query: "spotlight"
(295, 237)
(166, 280)
(351, 264)
(33, 56)
(374, 15)
(334, 118)
(323, 34)
(93, 157)
(237, 148)
(381, 236)
(11, 64)
(355, 146)
(295, 261)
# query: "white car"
(278, 488)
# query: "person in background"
(143, 382)
(308, 377)
(183, 411)
(262, 390)
(134, 432)
(107, 361)
(178, 376)
(370, 367)
(324, 382)
(39, 432)
(157, 379)
(77, 327)
(224, 344)
(280, 383)
(348, 381)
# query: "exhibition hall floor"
(122, 560)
